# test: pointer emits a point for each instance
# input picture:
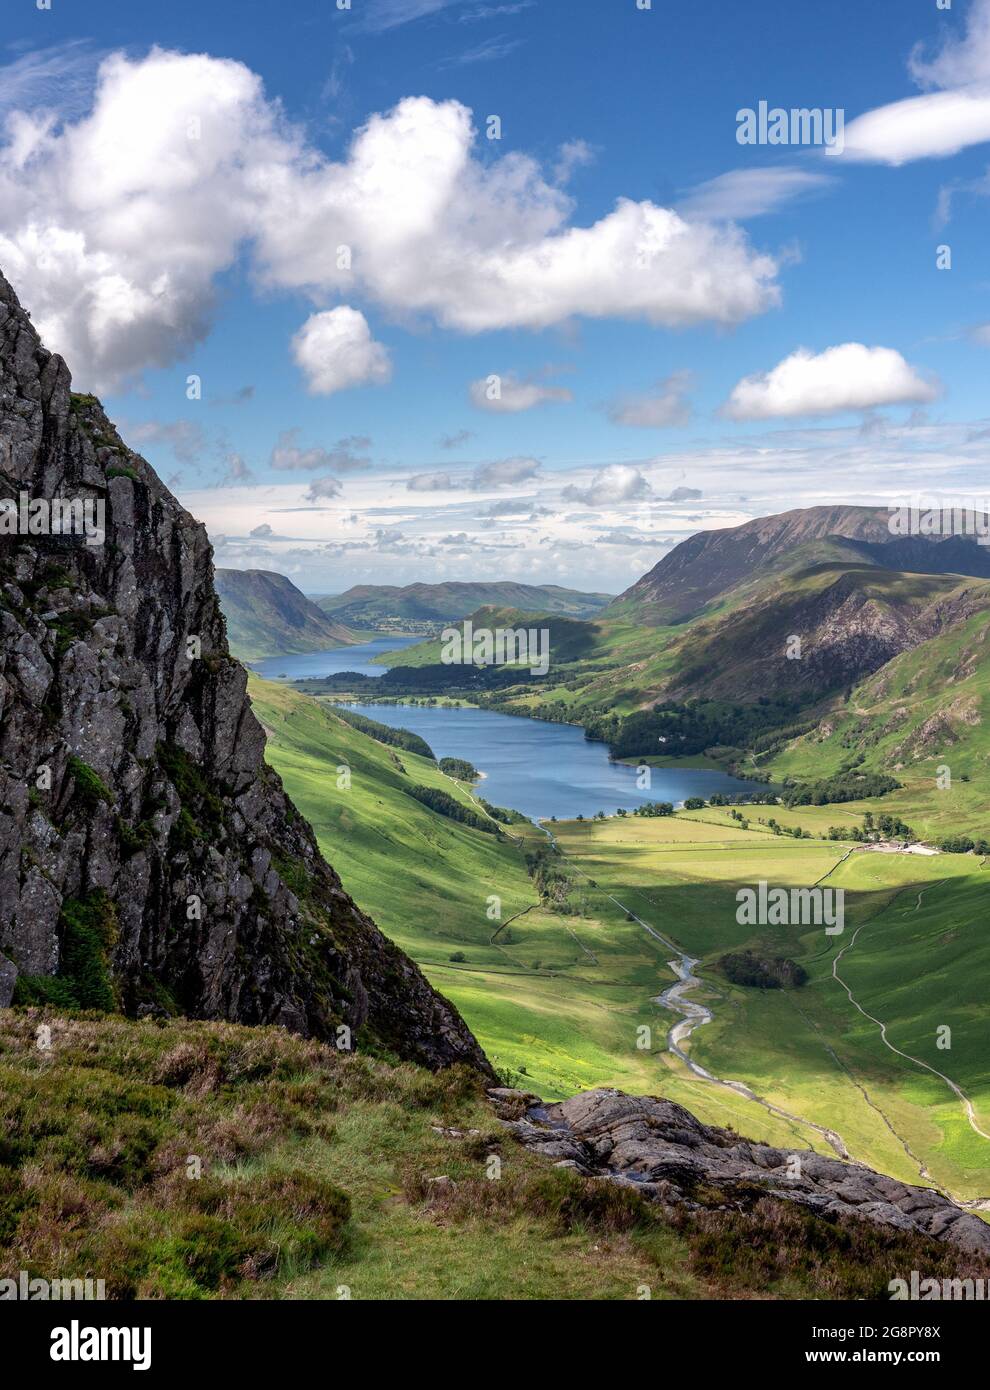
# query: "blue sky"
(687, 331)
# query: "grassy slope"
(926, 709)
(563, 997)
(315, 1184)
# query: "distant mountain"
(850, 620)
(368, 605)
(568, 638)
(268, 616)
(702, 569)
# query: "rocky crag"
(149, 858)
(673, 1158)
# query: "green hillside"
(268, 616)
(923, 716)
(387, 605)
(923, 704)
(560, 996)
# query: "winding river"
(552, 771)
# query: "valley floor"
(913, 956)
(566, 1001)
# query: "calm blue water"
(544, 769)
(538, 768)
(314, 664)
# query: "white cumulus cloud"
(848, 377)
(619, 482)
(116, 224)
(335, 350)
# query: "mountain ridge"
(364, 604)
(704, 567)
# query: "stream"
(551, 771)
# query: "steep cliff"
(149, 859)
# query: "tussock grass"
(325, 1175)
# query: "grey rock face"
(667, 1153)
(134, 796)
(8, 978)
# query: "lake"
(538, 768)
(311, 665)
(544, 769)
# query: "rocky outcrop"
(149, 858)
(669, 1155)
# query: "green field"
(558, 1000)
(918, 964)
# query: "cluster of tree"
(769, 742)
(762, 972)
(459, 768)
(882, 827)
(445, 805)
(795, 831)
(503, 813)
(384, 733)
(697, 803)
(768, 798)
(844, 786)
(686, 728)
(398, 681)
(962, 844)
(552, 885)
